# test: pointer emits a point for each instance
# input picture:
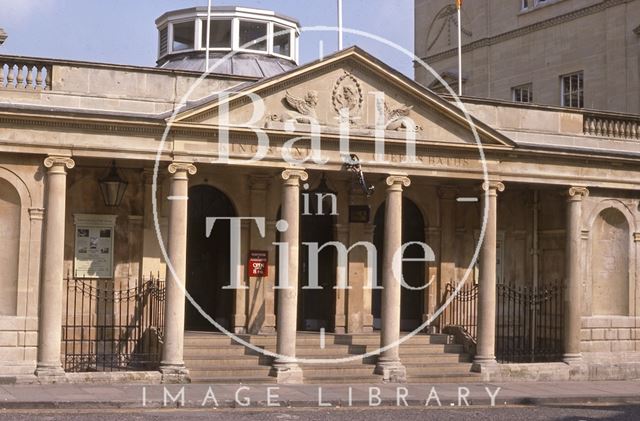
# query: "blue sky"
(123, 31)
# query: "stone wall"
(506, 47)
(22, 185)
(610, 334)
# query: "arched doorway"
(412, 301)
(208, 268)
(316, 307)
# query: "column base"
(391, 371)
(174, 374)
(50, 374)
(484, 364)
(287, 373)
(572, 359)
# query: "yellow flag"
(459, 4)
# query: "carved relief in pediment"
(299, 110)
(347, 98)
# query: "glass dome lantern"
(265, 43)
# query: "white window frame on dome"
(269, 40)
(170, 49)
(203, 28)
(292, 41)
(200, 24)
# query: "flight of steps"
(215, 358)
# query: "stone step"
(226, 380)
(236, 373)
(444, 377)
(230, 351)
(205, 362)
(404, 350)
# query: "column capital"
(397, 182)
(577, 193)
(636, 237)
(182, 169)
(36, 214)
(55, 162)
(292, 176)
(493, 187)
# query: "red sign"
(258, 264)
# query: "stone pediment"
(347, 91)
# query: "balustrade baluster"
(30, 77)
(10, 75)
(20, 78)
(38, 77)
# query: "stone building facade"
(578, 53)
(526, 196)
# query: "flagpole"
(206, 61)
(340, 42)
(459, 6)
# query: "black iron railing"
(529, 320)
(529, 323)
(463, 309)
(112, 329)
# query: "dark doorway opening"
(208, 268)
(316, 307)
(412, 301)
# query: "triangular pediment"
(349, 89)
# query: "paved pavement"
(113, 396)
(555, 413)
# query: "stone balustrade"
(27, 75)
(620, 127)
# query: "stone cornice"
(82, 123)
(548, 23)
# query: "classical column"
(285, 368)
(389, 364)
(51, 285)
(485, 354)
(573, 290)
(341, 235)
(172, 364)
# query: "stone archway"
(610, 263)
(10, 215)
(208, 266)
(412, 301)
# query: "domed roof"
(241, 64)
(244, 42)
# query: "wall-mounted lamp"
(113, 187)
